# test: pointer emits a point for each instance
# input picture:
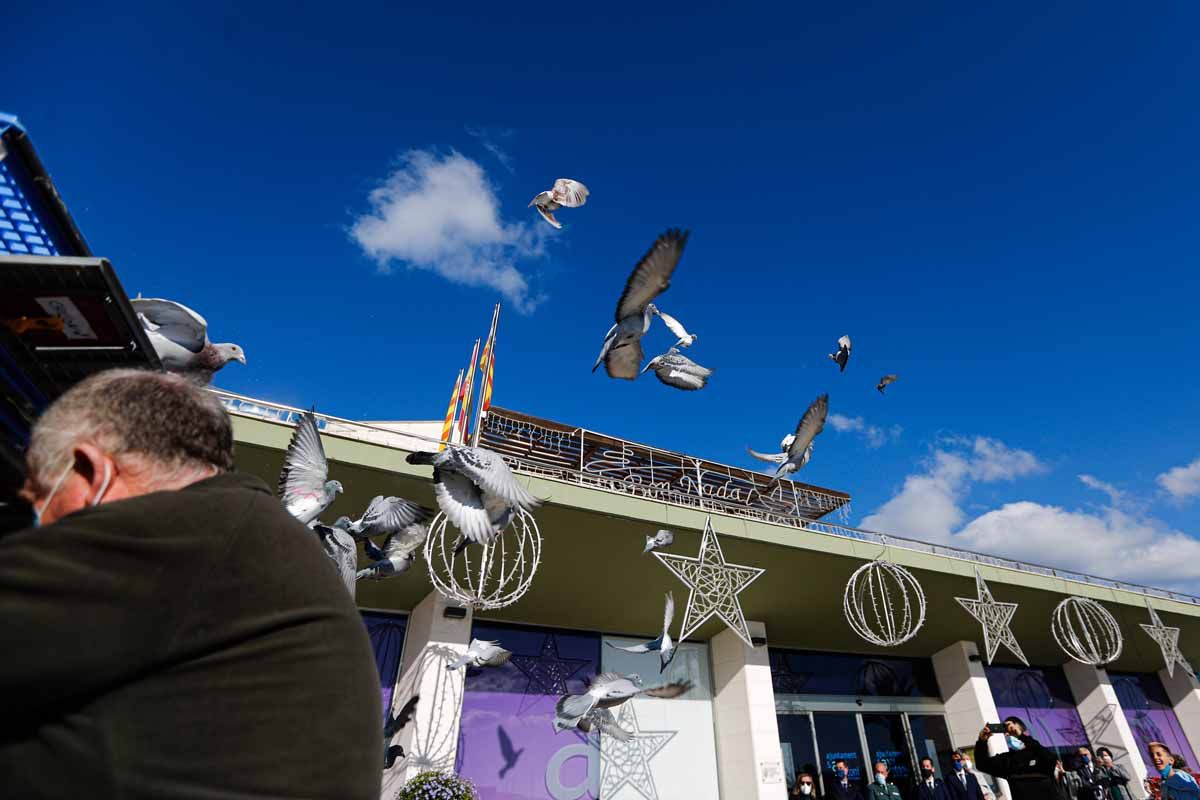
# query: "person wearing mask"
(805, 787)
(1066, 782)
(1114, 776)
(963, 785)
(1028, 766)
(1089, 783)
(841, 787)
(931, 787)
(880, 789)
(1176, 784)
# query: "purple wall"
(1150, 714)
(1043, 700)
(387, 640)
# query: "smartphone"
(996, 727)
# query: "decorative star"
(628, 763)
(548, 673)
(1167, 639)
(995, 617)
(713, 585)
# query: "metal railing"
(577, 456)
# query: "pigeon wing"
(394, 513)
(305, 469)
(569, 193)
(548, 215)
(844, 342)
(174, 321)
(604, 720)
(635, 648)
(459, 500)
(624, 360)
(770, 458)
(405, 715)
(680, 379)
(674, 325)
(402, 543)
(488, 470)
(668, 690)
(507, 751)
(652, 275)
(669, 612)
(809, 426)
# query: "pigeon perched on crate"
(567, 193)
(180, 338)
(304, 484)
(663, 645)
(842, 356)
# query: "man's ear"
(94, 466)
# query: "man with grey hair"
(152, 645)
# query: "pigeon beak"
(241, 357)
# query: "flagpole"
(485, 379)
(468, 392)
(448, 425)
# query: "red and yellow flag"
(468, 391)
(488, 365)
(448, 425)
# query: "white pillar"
(1184, 693)
(749, 760)
(1104, 720)
(967, 697)
(430, 740)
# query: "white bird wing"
(675, 326)
(809, 426)
(488, 470)
(652, 275)
(636, 648)
(541, 199)
(305, 469)
(569, 193)
(394, 513)
(175, 321)
(844, 342)
(459, 500)
(624, 360)
(548, 215)
(770, 458)
(669, 612)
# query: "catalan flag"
(448, 425)
(487, 365)
(468, 391)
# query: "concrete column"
(1184, 693)
(968, 698)
(1104, 720)
(430, 740)
(749, 761)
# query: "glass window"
(1043, 700)
(1150, 713)
(387, 640)
(796, 742)
(931, 737)
(886, 743)
(810, 672)
(837, 736)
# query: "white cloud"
(1109, 541)
(1182, 483)
(873, 435)
(439, 213)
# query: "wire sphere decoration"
(484, 577)
(884, 603)
(1086, 631)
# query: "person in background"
(1066, 782)
(841, 787)
(931, 787)
(880, 789)
(1089, 781)
(805, 787)
(1176, 784)
(963, 785)
(1115, 778)
(1028, 766)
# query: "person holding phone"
(1114, 776)
(1027, 766)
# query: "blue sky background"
(997, 203)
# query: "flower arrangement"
(438, 786)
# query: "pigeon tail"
(421, 457)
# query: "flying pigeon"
(392, 726)
(675, 369)
(507, 751)
(663, 538)
(663, 644)
(398, 553)
(598, 719)
(566, 193)
(180, 337)
(476, 490)
(685, 339)
(388, 515)
(799, 450)
(622, 349)
(482, 654)
(340, 547)
(781, 456)
(842, 356)
(303, 482)
(885, 381)
(608, 690)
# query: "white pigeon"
(340, 548)
(675, 369)
(685, 339)
(180, 338)
(799, 450)
(600, 720)
(885, 381)
(664, 538)
(842, 356)
(622, 348)
(782, 455)
(663, 645)
(388, 515)
(566, 193)
(398, 553)
(304, 484)
(481, 654)
(608, 690)
(475, 490)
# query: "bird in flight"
(885, 381)
(663, 645)
(566, 193)
(797, 448)
(180, 338)
(675, 369)
(842, 356)
(304, 484)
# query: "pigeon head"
(342, 522)
(651, 308)
(333, 487)
(230, 352)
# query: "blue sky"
(998, 204)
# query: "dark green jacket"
(183, 644)
(887, 791)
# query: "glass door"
(888, 742)
(931, 739)
(799, 748)
(838, 739)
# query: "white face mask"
(966, 763)
(95, 501)
(805, 788)
(880, 778)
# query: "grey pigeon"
(388, 515)
(398, 553)
(683, 338)
(475, 490)
(675, 369)
(799, 450)
(609, 689)
(781, 456)
(885, 381)
(600, 720)
(842, 356)
(622, 349)
(663, 645)
(663, 538)
(481, 654)
(304, 486)
(340, 547)
(180, 338)
(567, 193)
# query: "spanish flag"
(448, 425)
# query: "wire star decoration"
(628, 763)
(995, 617)
(548, 672)
(713, 585)
(1167, 639)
